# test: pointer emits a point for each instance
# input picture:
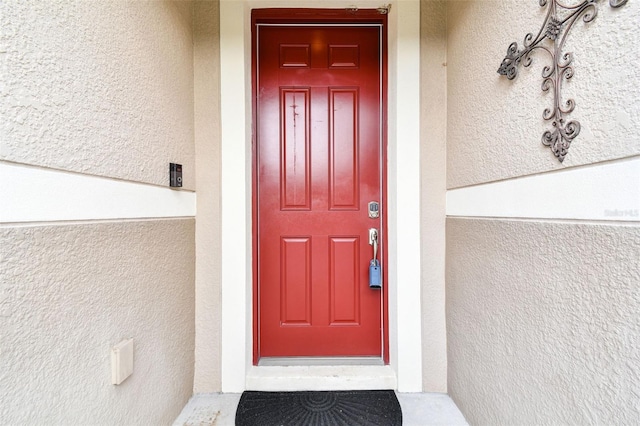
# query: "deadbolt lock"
(374, 210)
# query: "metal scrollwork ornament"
(556, 27)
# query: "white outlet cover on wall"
(121, 361)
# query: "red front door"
(318, 148)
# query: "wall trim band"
(35, 194)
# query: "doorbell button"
(175, 175)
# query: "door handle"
(373, 240)
(375, 274)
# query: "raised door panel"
(344, 180)
(295, 167)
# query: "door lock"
(374, 210)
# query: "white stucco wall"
(71, 292)
(103, 88)
(206, 52)
(542, 271)
(433, 162)
(543, 322)
(96, 98)
(495, 125)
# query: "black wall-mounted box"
(175, 175)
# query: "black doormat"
(348, 408)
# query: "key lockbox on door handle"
(375, 274)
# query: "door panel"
(345, 281)
(296, 155)
(318, 165)
(295, 284)
(344, 184)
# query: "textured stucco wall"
(97, 88)
(543, 322)
(103, 88)
(495, 125)
(206, 52)
(71, 292)
(433, 133)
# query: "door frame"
(323, 17)
(231, 358)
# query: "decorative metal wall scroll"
(556, 27)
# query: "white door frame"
(403, 187)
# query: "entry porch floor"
(418, 409)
